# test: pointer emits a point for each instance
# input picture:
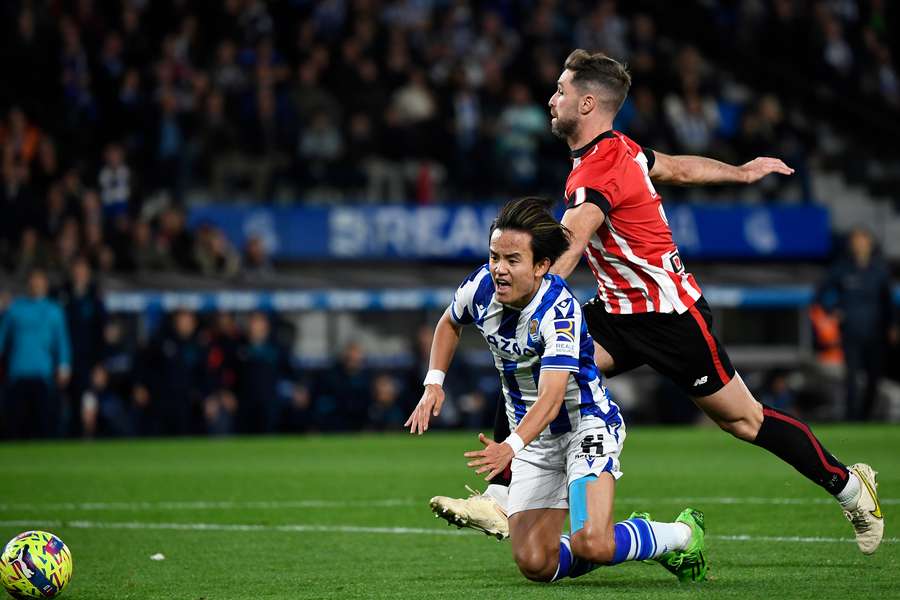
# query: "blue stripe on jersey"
(560, 361)
(509, 322)
(483, 294)
(464, 319)
(512, 386)
(561, 424)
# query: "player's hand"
(758, 168)
(492, 460)
(428, 406)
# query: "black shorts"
(682, 347)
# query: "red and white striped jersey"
(632, 254)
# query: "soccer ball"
(35, 564)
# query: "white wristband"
(434, 376)
(515, 442)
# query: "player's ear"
(542, 267)
(588, 102)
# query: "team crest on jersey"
(533, 330)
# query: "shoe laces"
(858, 518)
(473, 493)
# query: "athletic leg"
(534, 535)
(596, 540)
(735, 410)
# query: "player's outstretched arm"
(699, 170)
(443, 347)
(582, 220)
(494, 457)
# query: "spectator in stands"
(256, 265)
(115, 182)
(385, 414)
(344, 393)
(118, 363)
(86, 321)
(264, 141)
(35, 344)
(520, 128)
(174, 240)
(213, 254)
(172, 379)
(262, 366)
(858, 291)
(777, 392)
(148, 252)
(319, 150)
(217, 152)
(20, 138)
(103, 411)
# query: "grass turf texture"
(297, 491)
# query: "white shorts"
(543, 470)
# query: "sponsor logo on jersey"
(565, 330)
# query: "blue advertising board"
(460, 232)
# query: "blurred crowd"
(69, 368)
(114, 114)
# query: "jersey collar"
(579, 152)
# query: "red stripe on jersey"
(711, 343)
(771, 414)
(648, 287)
(621, 285)
(601, 272)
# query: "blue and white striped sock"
(636, 539)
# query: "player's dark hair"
(532, 215)
(603, 71)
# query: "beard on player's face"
(564, 128)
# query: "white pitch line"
(206, 505)
(300, 528)
(385, 503)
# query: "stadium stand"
(326, 170)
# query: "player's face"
(516, 277)
(564, 107)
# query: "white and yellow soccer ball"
(35, 564)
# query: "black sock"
(501, 432)
(791, 440)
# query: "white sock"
(849, 496)
(670, 536)
(500, 493)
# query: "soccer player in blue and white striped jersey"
(567, 433)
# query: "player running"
(568, 434)
(648, 308)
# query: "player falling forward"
(649, 309)
(568, 435)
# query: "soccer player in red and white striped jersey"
(649, 309)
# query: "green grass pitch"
(347, 517)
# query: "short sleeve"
(561, 335)
(651, 158)
(474, 290)
(580, 195)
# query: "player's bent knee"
(535, 564)
(597, 548)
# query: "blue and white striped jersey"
(548, 334)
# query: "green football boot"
(690, 564)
